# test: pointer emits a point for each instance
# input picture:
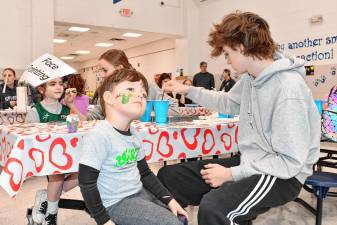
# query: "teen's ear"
(108, 97)
(119, 67)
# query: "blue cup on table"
(319, 105)
(222, 115)
(161, 110)
(146, 117)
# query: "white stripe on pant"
(252, 199)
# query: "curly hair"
(76, 81)
(243, 28)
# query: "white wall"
(149, 59)
(148, 15)
(154, 58)
(26, 31)
(288, 19)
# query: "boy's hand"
(175, 86)
(176, 208)
(109, 223)
(215, 175)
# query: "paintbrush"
(4, 88)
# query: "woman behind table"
(182, 97)
(51, 110)
(109, 61)
(8, 99)
(76, 86)
(112, 60)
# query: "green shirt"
(46, 117)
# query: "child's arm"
(95, 113)
(69, 98)
(88, 184)
(32, 116)
(152, 183)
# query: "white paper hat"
(47, 67)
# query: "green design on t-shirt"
(47, 117)
(129, 155)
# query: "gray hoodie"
(279, 128)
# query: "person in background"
(8, 99)
(182, 99)
(51, 110)
(76, 85)
(203, 78)
(164, 77)
(227, 82)
(109, 61)
(115, 59)
(116, 183)
(279, 129)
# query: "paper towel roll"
(21, 99)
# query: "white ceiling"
(88, 40)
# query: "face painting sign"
(47, 67)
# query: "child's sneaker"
(50, 219)
(40, 206)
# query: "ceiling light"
(104, 44)
(82, 52)
(67, 57)
(59, 41)
(79, 29)
(132, 35)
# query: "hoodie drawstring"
(250, 107)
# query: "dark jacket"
(227, 85)
(9, 95)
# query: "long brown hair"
(116, 58)
(243, 28)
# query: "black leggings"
(233, 202)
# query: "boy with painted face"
(115, 180)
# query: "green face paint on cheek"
(125, 99)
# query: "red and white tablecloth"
(11, 117)
(43, 149)
(193, 111)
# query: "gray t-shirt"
(115, 155)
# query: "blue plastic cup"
(161, 110)
(146, 117)
(221, 115)
(319, 105)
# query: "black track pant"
(233, 202)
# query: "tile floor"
(12, 211)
